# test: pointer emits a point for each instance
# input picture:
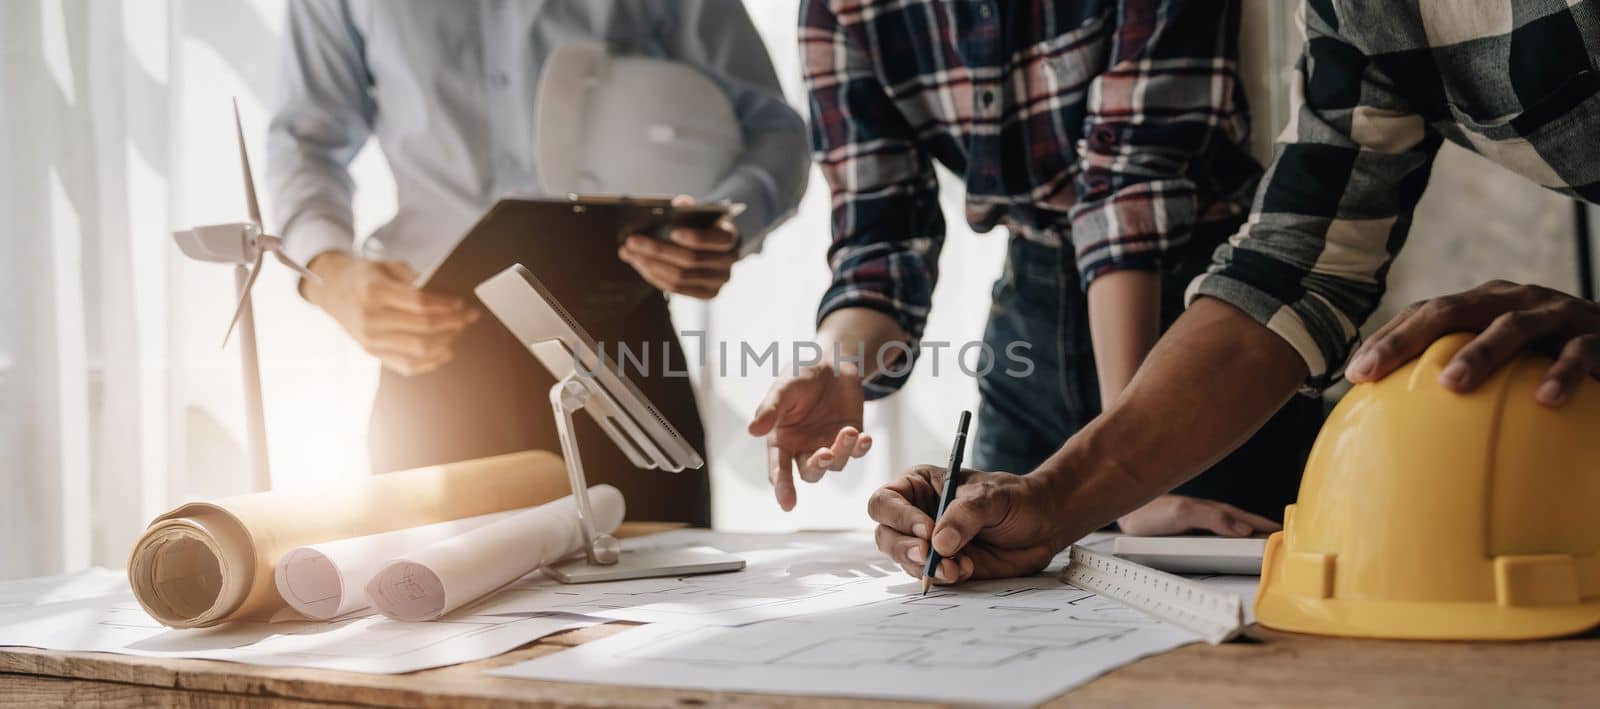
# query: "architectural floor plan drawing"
(812, 613)
(798, 575)
(981, 627)
(1013, 641)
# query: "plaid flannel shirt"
(1115, 126)
(1381, 85)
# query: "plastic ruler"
(1214, 615)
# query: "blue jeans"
(1023, 420)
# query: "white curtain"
(116, 399)
(84, 425)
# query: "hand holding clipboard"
(691, 253)
(571, 246)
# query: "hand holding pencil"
(995, 525)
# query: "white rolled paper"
(206, 563)
(327, 580)
(441, 577)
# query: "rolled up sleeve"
(1167, 98)
(887, 226)
(1334, 209)
(323, 114)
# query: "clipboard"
(569, 244)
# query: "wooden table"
(1278, 669)
(1269, 668)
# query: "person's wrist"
(1084, 477)
(1051, 484)
(328, 266)
(860, 334)
(839, 353)
(1110, 390)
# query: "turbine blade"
(297, 268)
(244, 161)
(244, 297)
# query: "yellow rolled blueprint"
(206, 563)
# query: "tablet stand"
(604, 559)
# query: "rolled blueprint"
(327, 580)
(440, 578)
(209, 562)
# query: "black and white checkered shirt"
(1381, 85)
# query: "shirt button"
(1104, 138)
(988, 98)
(984, 11)
(499, 80)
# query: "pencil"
(945, 495)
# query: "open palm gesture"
(812, 421)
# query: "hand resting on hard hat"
(999, 524)
(1508, 318)
(696, 263)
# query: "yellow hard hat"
(1433, 515)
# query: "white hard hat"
(631, 125)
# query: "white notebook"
(1194, 555)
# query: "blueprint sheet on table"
(864, 630)
(785, 576)
(94, 611)
(819, 590)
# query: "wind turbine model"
(245, 245)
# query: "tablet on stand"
(585, 382)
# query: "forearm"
(1125, 317)
(322, 115)
(1209, 383)
(769, 178)
(329, 266)
(861, 333)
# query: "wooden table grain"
(1268, 668)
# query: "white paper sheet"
(786, 576)
(441, 577)
(845, 621)
(115, 623)
(1013, 641)
(838, 583)
(95, 581)
(327, 580)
